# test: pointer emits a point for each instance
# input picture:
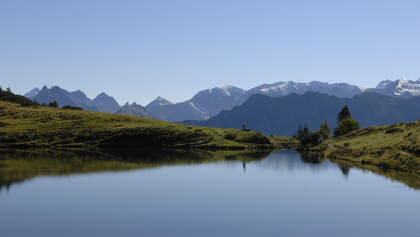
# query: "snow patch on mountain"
(195, 107)
(226, 89)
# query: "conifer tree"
(344, 113)
(345, 122)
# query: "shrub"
(313, 139)
(53, 104)
(72, 107)
(230, 136)
(393, 130)
(252, 137)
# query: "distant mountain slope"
(32, 93)
(177, 112)
(210, 102)
(134, 109)
(63, 97)
(204, 104)
(213, 101)
(106, 103)
(282, 115)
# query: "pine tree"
(344, 113)
(345, 123)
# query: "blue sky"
(138, 50)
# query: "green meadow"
(48, 127)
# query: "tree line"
(345, 124)
(8, 95)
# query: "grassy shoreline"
(382, 149)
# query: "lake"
(276, 194)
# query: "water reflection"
(345, 170)
(19, 166)
(199, 194)
(289, 160)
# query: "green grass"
(283, 142)
(394, 147)
(45, 127)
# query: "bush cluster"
(346, 124)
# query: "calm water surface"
(279, 195)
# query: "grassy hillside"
(36, 126)
(394, 147)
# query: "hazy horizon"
(138, 50)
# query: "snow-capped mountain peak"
(283, 88)
(405, 87)
(225, 90)
(401, 88)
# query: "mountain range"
(134, 109)
(101, 103)
(282, 115)
(201, 106)
(210, 102)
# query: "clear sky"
(137, 50)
